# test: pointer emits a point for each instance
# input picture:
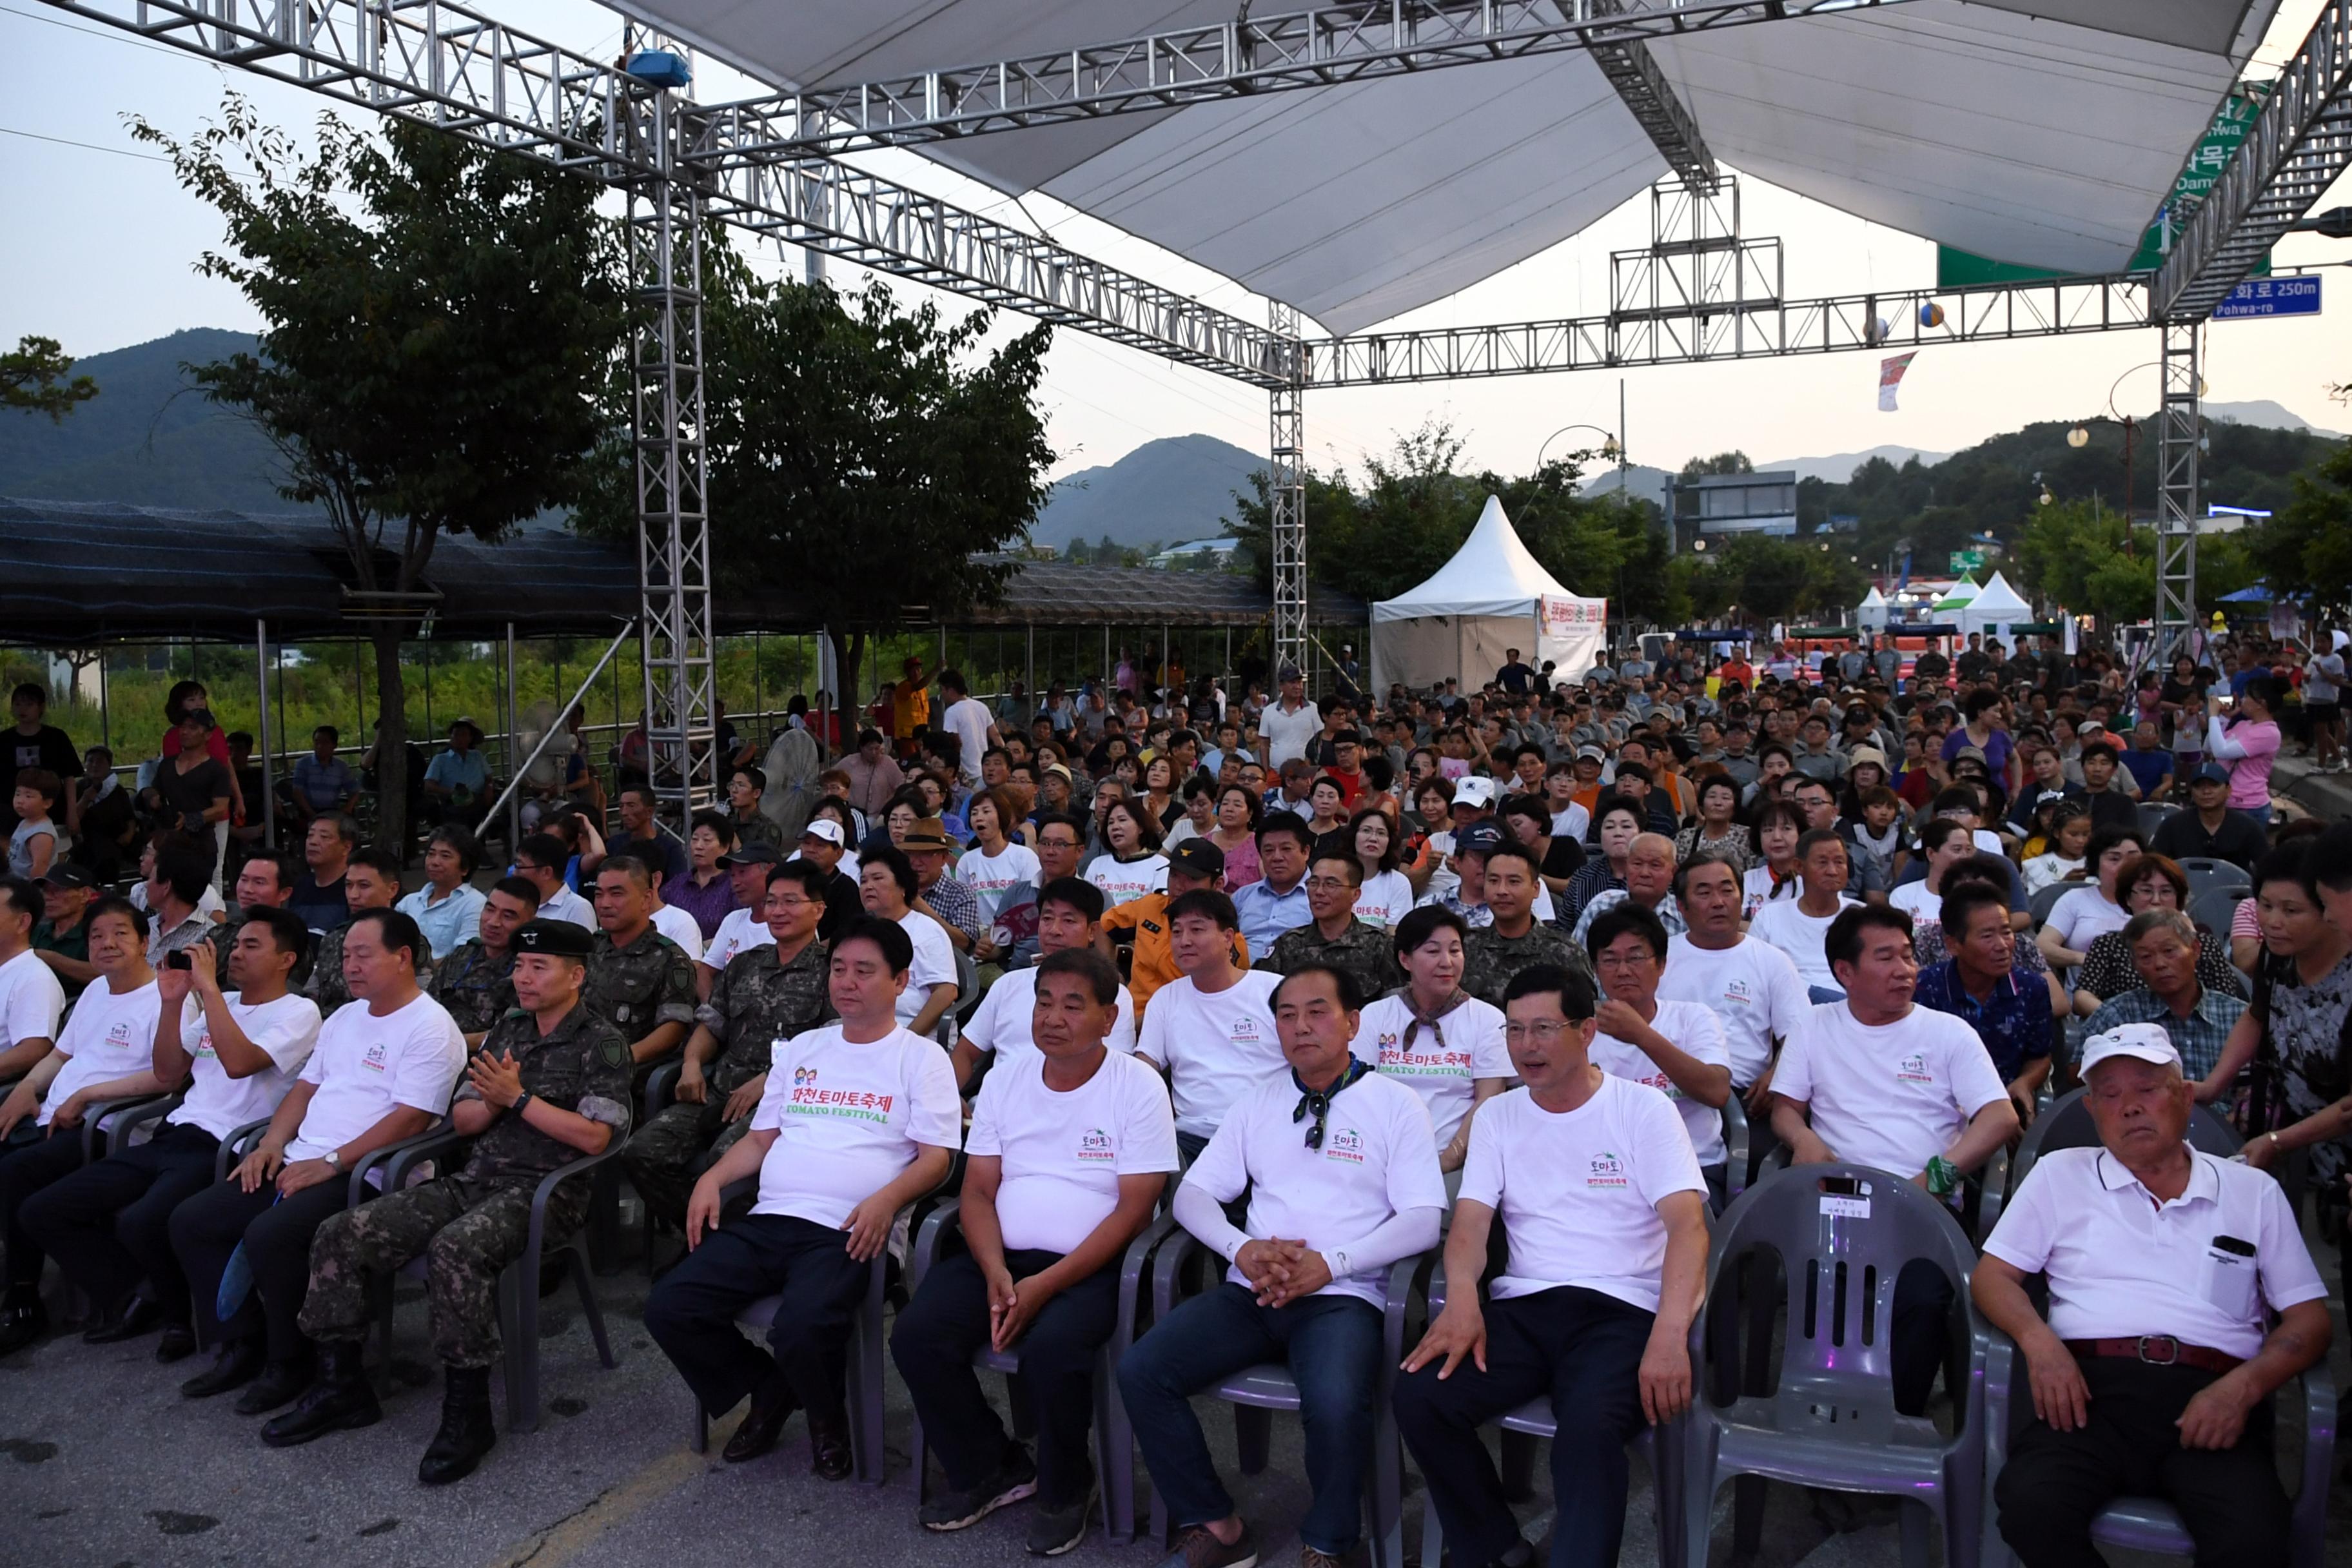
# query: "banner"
(1890, 377)
(1558, 617)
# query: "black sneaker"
(1015, 1479)
(1054, 1531)
(1198, 1547)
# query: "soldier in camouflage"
(476, 982)
(1365, 952)
(548, 1086)
(371, 881)
(1515, 939)
(639, 981)
(765, 997)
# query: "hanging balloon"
(1931, 314)
(1874, 332)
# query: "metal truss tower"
(2179, 435)
(665, 252)
(1286, 484)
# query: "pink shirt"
(2249, 749)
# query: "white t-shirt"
(364, 1065)
(1579, 1192)
(111, 1035)
(1571, 823)
(1063, 1154)
(740, 933)
(990, 877)
(1122, 880)
(1752, 987)
(2120, 1265)
(30, 1000)
(967, 719)
(848, 1119)
(285, 1029)
(1378, 1159)
(1890, 1095)
(1694, 1027)
(1003, 1023)
(1215, 1048)
(1914, 900)
(1799, 935)
(678, 926)
(2083, 916)
(934, 963)
(1443, 1072)
(1756, 890)
(1385, 899)
(1287, 735)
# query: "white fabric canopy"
(1871, 614)
(2040, 132)
(1995, 610)
(1491, 597)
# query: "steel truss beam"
(1362, 40)
(1663, 116)
(2179, 437)
(1737, 329)
(444, 64)
(2300, 141)
(1287, 494)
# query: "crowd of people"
(1333, 982)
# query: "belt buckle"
(2171, 1348)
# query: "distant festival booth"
(1491, 597)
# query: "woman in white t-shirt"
(1386, 894)
(996, 863)
(1133, 866)
(1778, 827)
(885, 886)
(1675, 1047)
(2079, 918)
(1445, 1044)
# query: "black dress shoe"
(178, 1343)
(22, 1322)
(830, 1459)
(340, 1400)
(238, 1364)
(280, 1383)
(139, 1317)
(772, 1404)
(467, 1432)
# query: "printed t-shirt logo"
(1737, 991)
(118, 1035)
(1096, 1146)
(1438, 1063)
(861, 1105)
(1606, 1170)
(378, 1054)
(1245, 1030)
(1913, 1069)
(801, 1076)
(1346, 1145)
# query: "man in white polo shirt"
(1597, 1187)
(1212, 1030)
(1071, 1146)
(860, 1119)
(1751, 985)
(31, 996)
(2154, 1372)
(1341, 1166)
(1875, 1079)
(1675, 1047)
(1069, 915)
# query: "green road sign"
(1967, 560)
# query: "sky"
(107, 243)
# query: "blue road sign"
(2269, 297)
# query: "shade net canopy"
(1491, 599)
(2042, 133)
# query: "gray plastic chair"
(2213, 909)
(2153, 814)
(110, 1124)
(517, 1282)
(1258, 1391)
(1831, 1422)
(1663, 1450)
(2065, 1123)
(2047, 899)
(2143, 1523)
(2205, 874)
(1114, 1439)
(1736, 1150)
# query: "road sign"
(1967, 560)
(2269, 297)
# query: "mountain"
(1838, 468)
(1167, 491)
(1642, 482)
(148, 439)
(2266, 414)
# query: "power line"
(86, 146)
(111, 37)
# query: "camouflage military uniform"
(475, 988)
(471, 1225)
(755, 1005)
(1490, 958)
(756, 829)
(640, 987)
(1364, 950)
(326, 986)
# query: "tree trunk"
(393, 804)
(848, 653)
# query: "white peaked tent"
(1996, 611)
(1871, 614)
(1490, 598)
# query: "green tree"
(2306, 549)
(32, 377)
(1721, 463)
(438, 322)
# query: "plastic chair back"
(2213, 909)
(2152, 814)
(2047, 899)
(2067, 1124)
(2206, 874)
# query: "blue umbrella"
(2257, 595)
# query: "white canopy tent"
(1493, 597)
(1871, 614)
(1996, 610)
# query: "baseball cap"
(66, 874)
(1288, 672)
(826, 828)
(2141, 1042)
(1348, 738)
(1475, 790)
(2209, 773)
(1199, 856)
(1479, 838)
(759, 852)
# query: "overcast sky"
(106, 239)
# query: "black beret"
(557, 939)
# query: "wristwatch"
(335, 1161)
(519, 1101)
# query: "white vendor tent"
(1491, 597)
(1996, 610)
(1871, 614)
(1959, 596)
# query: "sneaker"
(1015, 1479)
(1054, 1531)
(1198, 1547)
(1310, 1558)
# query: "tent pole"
(261, 705)
(514, 737)
(105, 707)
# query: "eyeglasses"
(1326, 884)
(1543, 1032)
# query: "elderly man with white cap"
(2153, 1374)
